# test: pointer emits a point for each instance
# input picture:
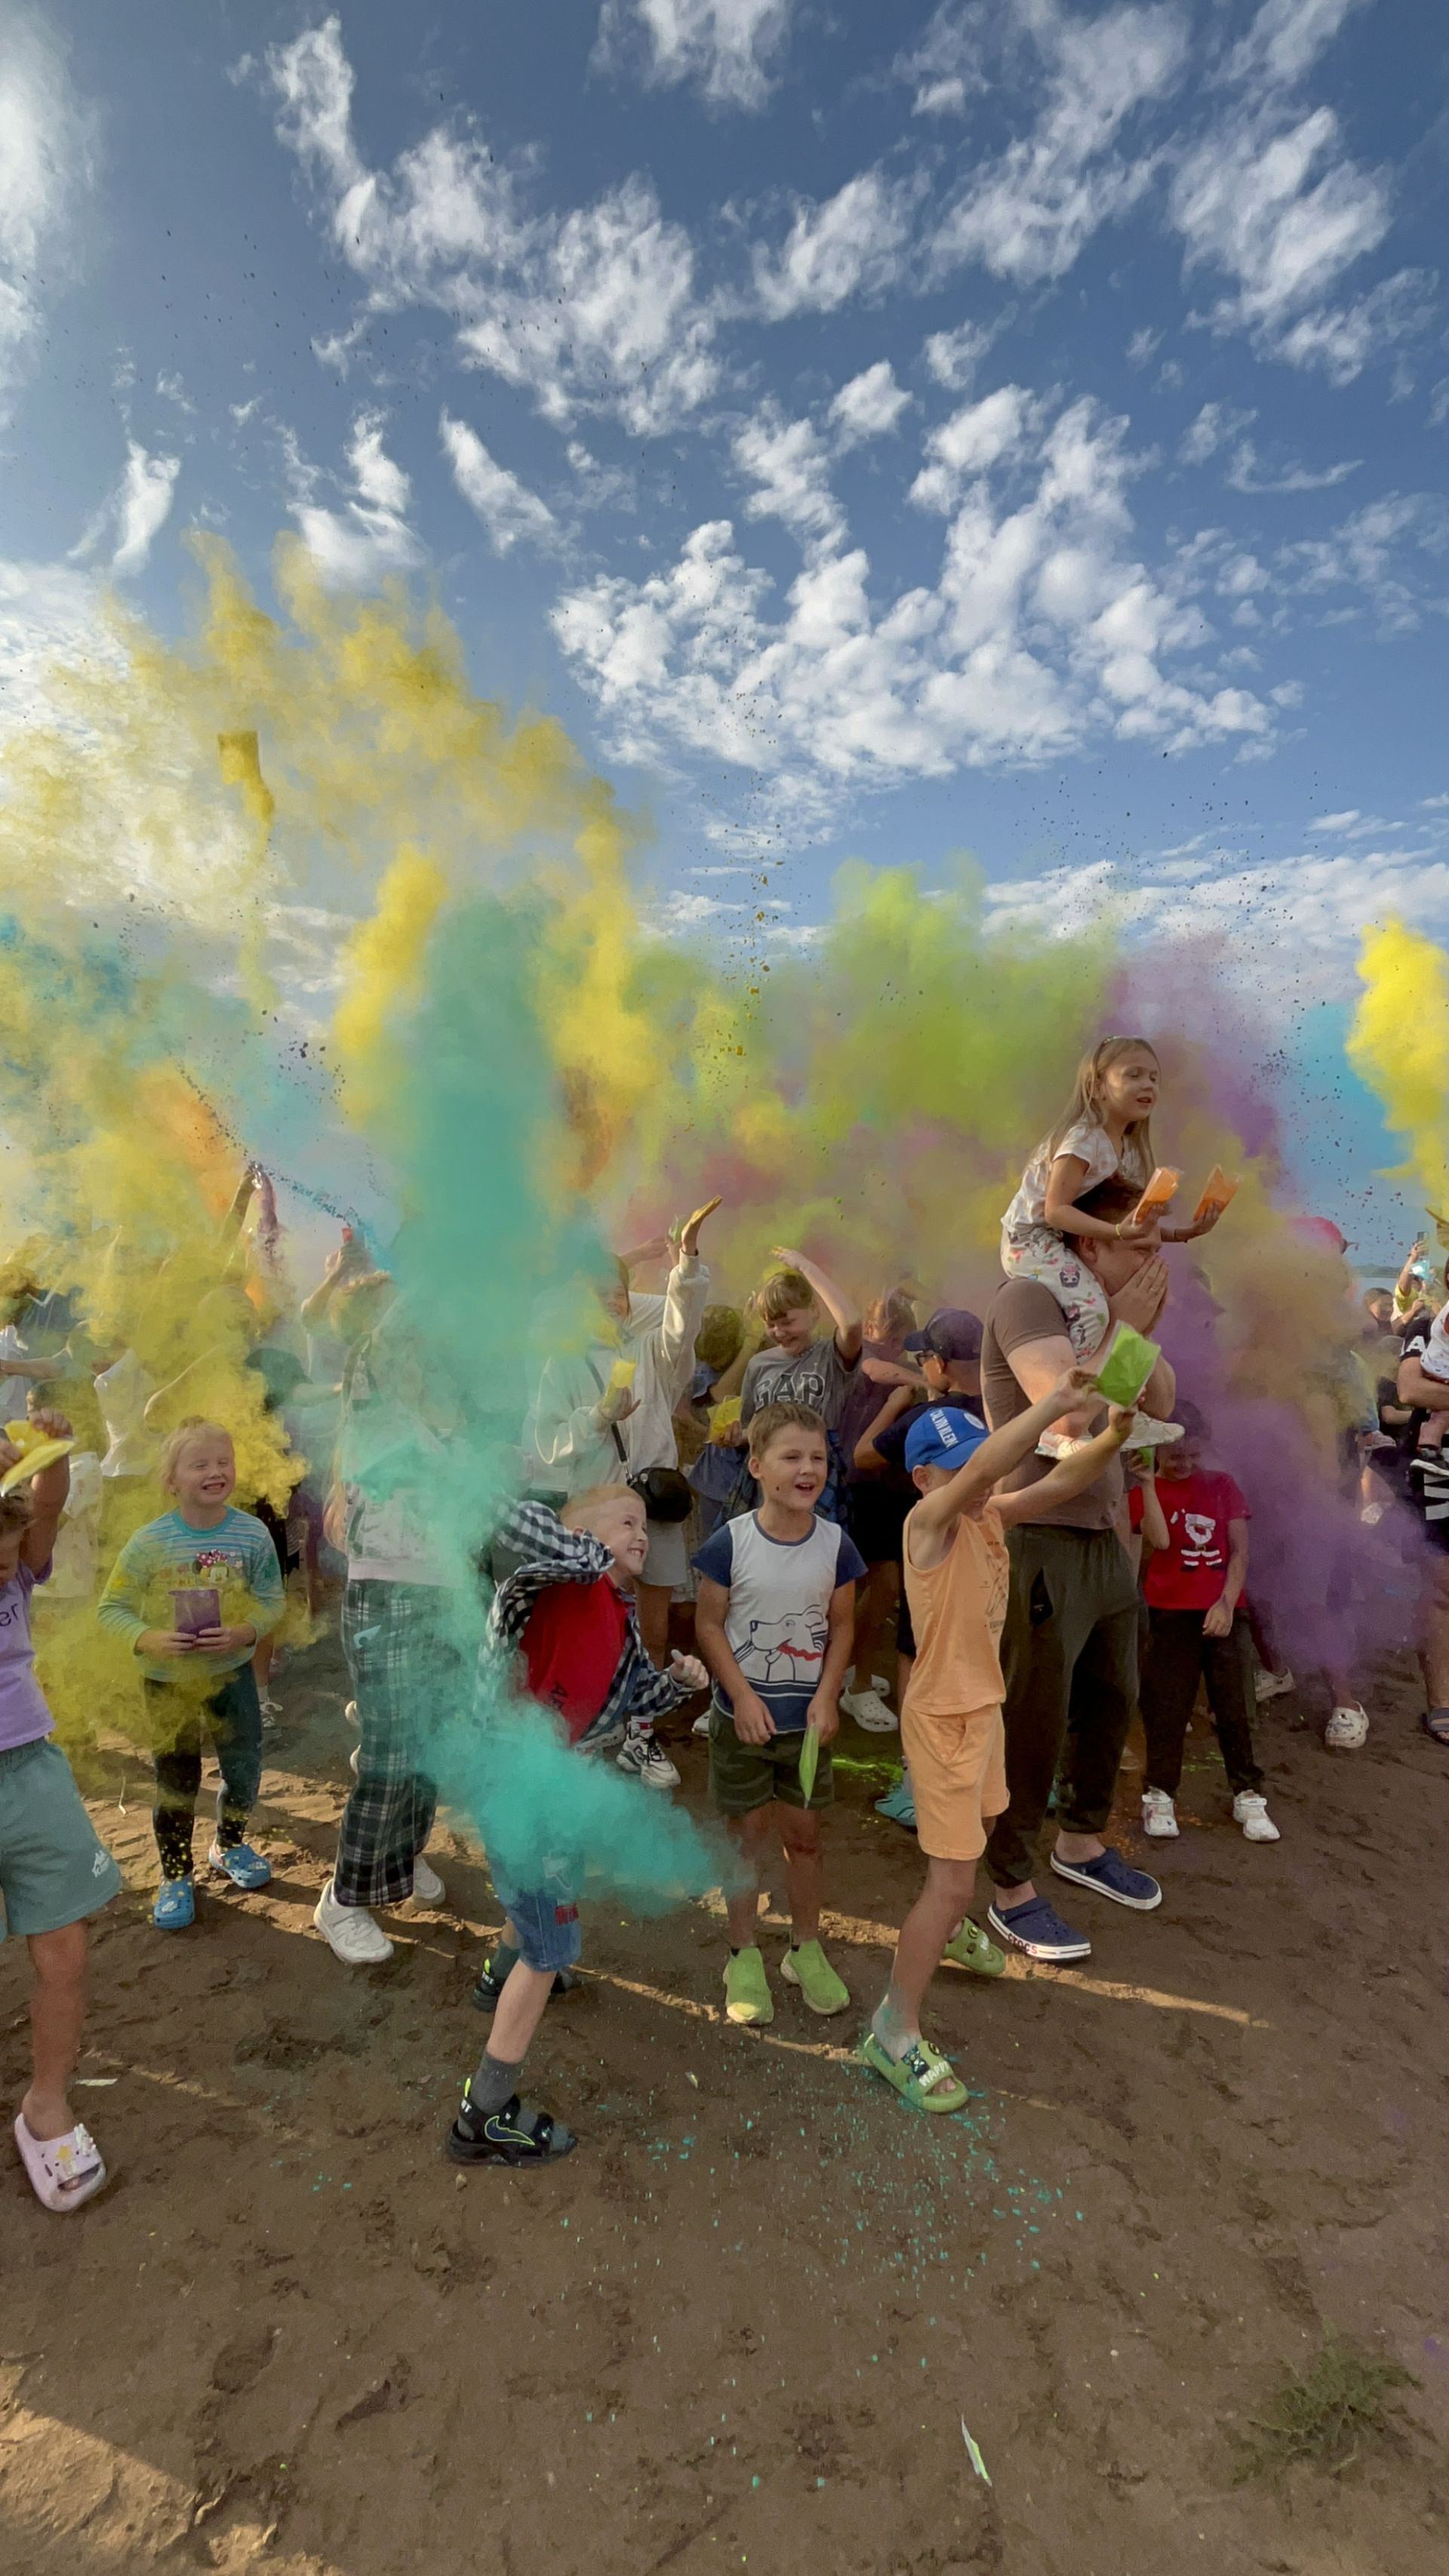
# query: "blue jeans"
(233, 1718)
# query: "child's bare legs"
(1054, 1264)
(936, 1915)
(799, 1834)
(519, 2011)
(753, 1833)
(57, 2016)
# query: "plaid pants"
(406, 1678)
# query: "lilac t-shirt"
(24, 1717)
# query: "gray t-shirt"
(1023, 1311)
(816, 1376)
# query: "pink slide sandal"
(63, 2171)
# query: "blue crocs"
(243, 1866)
(1037, 1929)
(1110, 1875)
(175, 1906)
(898, 1806)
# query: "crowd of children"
(818, 1494)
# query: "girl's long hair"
(1086, 1101)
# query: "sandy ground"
(743, 2325)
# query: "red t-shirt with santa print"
(1189, 1573)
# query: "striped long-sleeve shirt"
(237, 1560)
(551, 1555)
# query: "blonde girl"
(1104, 1134)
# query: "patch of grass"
(1325, 2415)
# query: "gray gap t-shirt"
(817, 1376)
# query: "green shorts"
(54, 1869)
(745, 1776)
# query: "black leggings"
(1178, 1657)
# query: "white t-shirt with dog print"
(778, 1621)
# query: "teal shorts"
(54, 1869)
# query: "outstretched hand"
(688, 1232)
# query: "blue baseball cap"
(943, 1436)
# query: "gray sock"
(492, 2084)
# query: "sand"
(744, 2324)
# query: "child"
(950, 1356)
(1195, 1525)
(957, 1578)
(194, 1672)
(802, 1365)
(774, 1621)
(54, 1874)
(1105, 1134)
(569, 1608)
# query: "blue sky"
(1016, 428)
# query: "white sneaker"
(870, 1711)
(428, 1888)
(645, 1759)
(1268, 1685)
(350, 1932)
(1251, 1812)
(701, 1725)
(350, 1713)
(1347, 1730)
(1159, 1816)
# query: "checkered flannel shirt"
(553, 1554)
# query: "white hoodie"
(563, 1436)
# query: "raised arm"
(1070, 1476)
(1425, 1394)
(48, 1491)
(1002, 1450)
(868, 1460)
(842, 1310)
(1154, 1519)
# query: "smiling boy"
(774, 1622)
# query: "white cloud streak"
(849, 244)
(45, 165)
(506, 506)
(724, 48)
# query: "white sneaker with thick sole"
(701, 1725)
(1347, 1730)
(1251, 1812)
(645, 1759)
(350, 1932)
(1159, 1816)
(1268, 1685)
(870, 1711)
(428, 1888)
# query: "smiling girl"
(1105, 1134)
(191, 1594)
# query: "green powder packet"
(1127, 1367)
(809, 1762)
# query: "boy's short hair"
(16, 1511)
(576, 1510)
(182, 1438)
(772, 1419)
(1194, 1421)
(782, 1292)
(1111, 1200)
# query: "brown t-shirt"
(1023, 1311)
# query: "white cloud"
(134, 513)
(1281, 212)
(45, 161)
(724, 47)
(1320, 906)
(1343, 339)
(171, 387)
(590, 311)
(1247, 473)
(1143, 345)
(144, 505)
(1028, 213)
(1382, 551)
(851, 244)
(944, 71)
(1215, 424)
(870, 406)
(369, 536)
(953, 357)
(976, 437)
(507, 508)
(1286, 37)
(1041, 632)
(789, 467)
(50, 619)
